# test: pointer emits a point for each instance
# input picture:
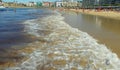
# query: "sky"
(26, 0)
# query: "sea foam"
(65, 48)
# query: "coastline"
(104, 15)
(59, 48)
(107, 14)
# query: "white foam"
(68, 42)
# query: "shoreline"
(106, 14)
(59, 48)
(112, 47)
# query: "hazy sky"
(26, 0)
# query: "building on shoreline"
(31, 4)
(109, 2)
(94, 3)
(1, 3)
(90, 3)
(12, 4)
(68, 3)
(59, 4)
(39, 4)
(47, 4)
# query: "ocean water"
(59, 46)
(12, 27)
(13, 34)
(64, 47)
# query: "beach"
(60, 46)
(54, 44)
(102, 13)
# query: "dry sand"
(108, 14)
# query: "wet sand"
(105, 30)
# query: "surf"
(62, 47)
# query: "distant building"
(70, 3)
(9, 4)
(1, 3)
(30, 4)
(68, 0)
(117, 2)
(109, 2)
(12, 4)
(59, 4)
(46, 4)
(89, 3)
(79, 3)
(52, 4)
(39, 4)
(93, 3)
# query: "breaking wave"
(61, 47)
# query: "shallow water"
(12, 27)
(105, 30)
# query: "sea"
(56, 44)
(14, 33)
(12, 29)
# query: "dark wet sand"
(105, 30)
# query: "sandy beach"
(108, 14)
